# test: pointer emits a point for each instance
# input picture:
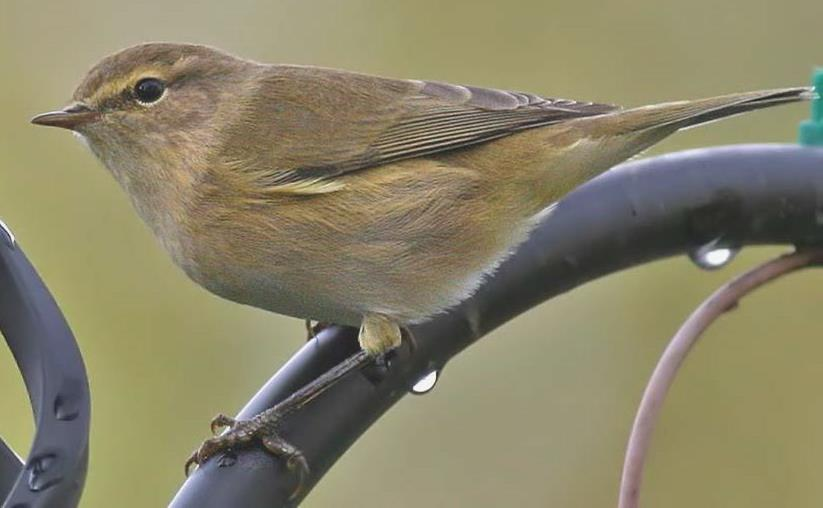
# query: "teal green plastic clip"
(811, 131)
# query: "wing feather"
(330, 123)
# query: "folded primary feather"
(386, 120)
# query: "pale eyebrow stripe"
(114, 86)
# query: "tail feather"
(624, 134)
(681, 115)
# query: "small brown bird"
(343, 197)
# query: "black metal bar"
(10, 468)
(640, 211)
(49, 359)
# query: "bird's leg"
(312, 328)
(378, 335)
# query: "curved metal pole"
(640, 211)
(55, 377)
(724, 299)
(10, 467)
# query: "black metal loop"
(49, 359)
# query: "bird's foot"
(244, 433)
(263, 428)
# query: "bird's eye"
(149, 90)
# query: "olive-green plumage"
(344, 197)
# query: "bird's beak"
(71, 117)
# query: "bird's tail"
(684, 114)
(625, 133)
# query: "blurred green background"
(742, 427)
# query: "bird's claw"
(207, 450)
(221, 422)
(298, 465)
(242, 433)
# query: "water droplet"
(713, 255)
(425, 383)
(42, 463)
(65, 408)
(40, 468)
(228, 459)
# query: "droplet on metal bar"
(425, 383)
(713, 255)
(41, 472)
(227, 459)
(66, 408)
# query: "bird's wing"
(323, 123)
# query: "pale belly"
(283, 296)
(342, 299)
(409, 286)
